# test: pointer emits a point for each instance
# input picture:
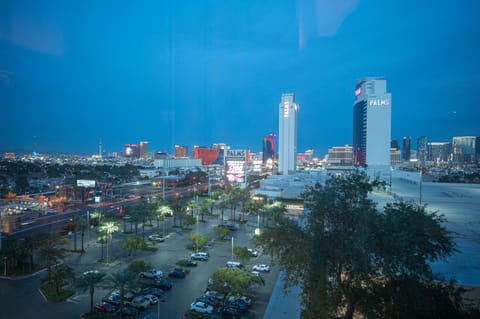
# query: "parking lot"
(174, 303)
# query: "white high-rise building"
(372, 124)
(287, 134)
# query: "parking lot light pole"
(232, 248)
(5, 266)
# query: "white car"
(253, 253)
(157, 238)
(151, 298)
(261, 267)
(154, 273)
(201, 307)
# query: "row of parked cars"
(140, 299)
(213, 302)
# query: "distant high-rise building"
(287, 134)
(422, 150)
(309, 155)
(466, 149)
(160, 155)
(340, 156)
(395, 157)
(100, 148)
(406, 148)
(394, 144)
(268, 148)
(143, 150)
(131, 151)
(439, 151)
(180, 151)
(372, 123)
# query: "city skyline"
(202, 73)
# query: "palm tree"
(35, 241)
(89, 281)
(51, 254)
(109, 228)
(161, 213)
(222, 204)
(121, 281)
(58, 275)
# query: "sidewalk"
(281, 305)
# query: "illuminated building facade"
(180, 151)
(208, 155)
(131, 151)
(439, 152)
(466, 149)
(287, 134)
(143, 150)
(340, 156)
(372, 123)
(268, 148)
(422, 150)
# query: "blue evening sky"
(197, 72)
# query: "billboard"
(85, 183)
(236, 165)
(131, 150)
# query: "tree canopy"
(350, 258)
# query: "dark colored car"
(153, 291)
(230, 311)
(129, 311)
(163, 284)
(113, 299)
(238, 304)
(177, 273)
(208, 300)
(104, 307)
(190, 263)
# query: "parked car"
(156, 238)
(237, 303)
(104, 307)
(246, 300)
(154, 273)
(163, 284)
(201, 307)
(261, 267)
(151, 298)
(190, 262)
(208, 300)
(199, 256)
(234, 264)
(230, 311)
(113, 299)
(177, 273)
(129, 311)
(253, 253)
(139, 302)
(153, 291)
(86, 273)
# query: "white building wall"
(287, 134)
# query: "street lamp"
(232, 248)
(5, 266)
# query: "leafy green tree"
(51, 254)
(221, 232)
(241, 253)
(138, 266)
(350, 250)
(133, 243)
(234, 281)
(89, 281)
(197, 240)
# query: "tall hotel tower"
(372, 124)
(287, 134)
